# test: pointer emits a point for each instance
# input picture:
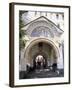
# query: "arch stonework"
(45, 24)
(44, 40)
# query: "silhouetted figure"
(54, 66)
(44, 64)
(38, 64)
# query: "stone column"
(52, 58)
(22, 61)
(60, 59)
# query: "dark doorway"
(39, 62)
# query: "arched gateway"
(43, 44)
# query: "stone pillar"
(22, 61)
(60, 59)
(52, 58)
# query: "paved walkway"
(42, 73)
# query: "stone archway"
(28, 57)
